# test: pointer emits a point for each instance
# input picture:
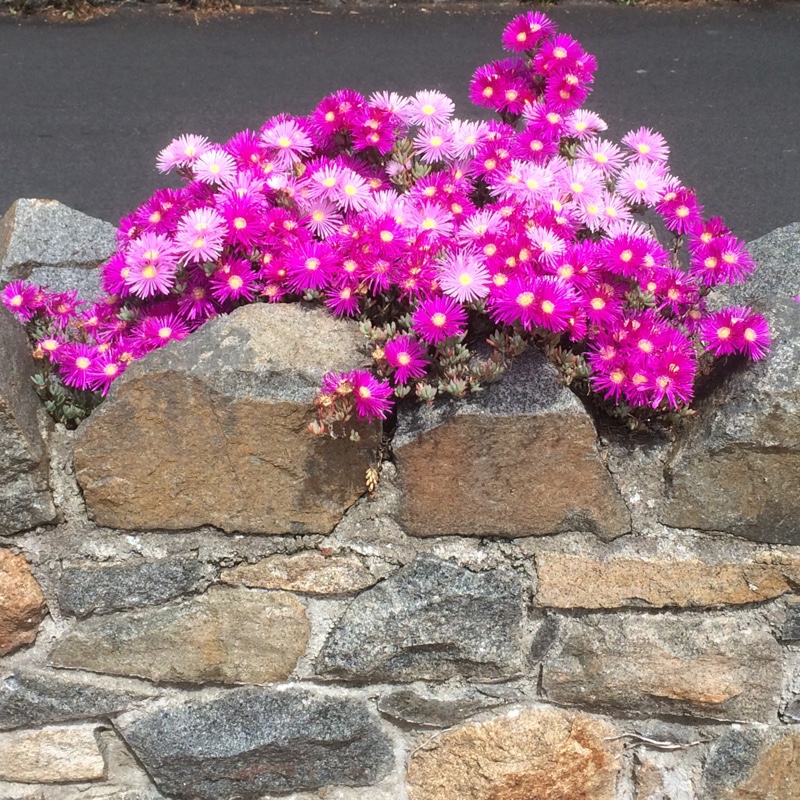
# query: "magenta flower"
(74, 361)
(233, 280)
(105, 369)
(22, 299)
(370, 396)
(407, 357)
(152, 264)
(438, 319)
(200, 235)
(286, 141)
(736, 330)
(525, 31)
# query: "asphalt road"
(85, 108)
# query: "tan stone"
(531, 754)
(226, 635)
(51, 755)
(575, 581)
(708, 665)
(213, 430)
(520, 460)
(22, 605)
(309, 572)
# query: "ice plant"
(441, 237)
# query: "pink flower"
(438, 319)
(233, 280)
(464, 277)
(285, 140)
(74, 361)
(428, 108)
(22, 299)
(407, 357)
(200, 235)
(182, 152)
(214, 166)
(647, 144)
(105, 369)
(736, 330)
(342, 301)
(642, 182)
(152, 264)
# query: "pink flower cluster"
(534, 220)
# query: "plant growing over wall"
(455, 244)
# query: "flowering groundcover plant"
(454, 243)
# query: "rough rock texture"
(708, 665)
(246, 742)
(99, 589)
(50, 244)
(212, 430)
(22, 605)
(528, 754)
(420, 707)
(736, 466)
(32, 697)
(309, 572)
(753, 765)
(590, 581)
(225, 635)
(791, 625)
(664, 775)
(25, 499)
(520, 459)
(429, 621)
(51, 755)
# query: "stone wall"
(199, 600)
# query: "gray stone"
(100, 589)
(777, 276)
(212, 430)
(736, 465)
(250, 741)
(732, 757)
(792, 711)
(519, 459)
(418, 707)
(223, 636)
(430, 620)
(25, 499)
(44, 233)
(704, 665)
(87, 282)
(791, 625)
(36, 697)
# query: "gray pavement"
(85, 108)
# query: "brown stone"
(226, 635)
(309, 572)
(51, 755)
(575, 581)
(213, 430)
(519, 459)
(709, 665)
(530, 754)
(22, 605)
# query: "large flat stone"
(430, 620)
(251, 741)
(212, 430)
(519, 459)
(22, 605)
(706, 665)
(309, 572)
(101, 588)
(225, 636)
(542, 753)
(34, 697)
(415, 706)
(25, 499)
(51, 755)
(657, 580)
(47, 236)
(736, 466)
